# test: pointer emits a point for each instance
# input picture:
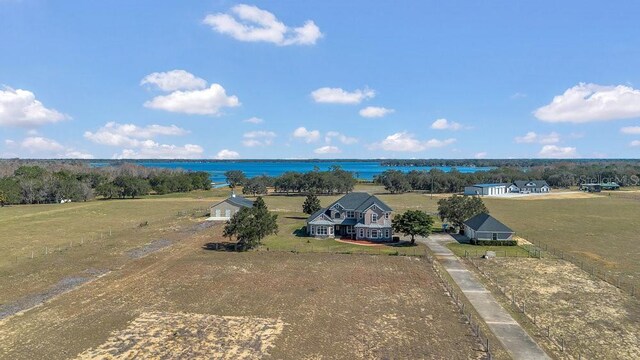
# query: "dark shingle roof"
(523, 183)
(486, 222)
(240, 201)
(360, 201)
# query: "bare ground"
(298, 306)
(595, 319)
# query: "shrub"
(494, 242)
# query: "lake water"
(365, 170)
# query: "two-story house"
(357, 215)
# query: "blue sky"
(319, 79)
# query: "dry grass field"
(595, 319)
(602, 230)
(183, 299)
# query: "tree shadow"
(225, 247)
(296, 217)
(403, 243)
(461, 239)
(301, 232)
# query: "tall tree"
(412, 223)
(311, 204)
(235, 178)
(250, 226)
(457, 209)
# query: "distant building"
(486, 189)
(529, 186)
(522, 187)
(223, 210)
(485, 227)
(597, 187)
(356, 215)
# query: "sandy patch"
(158, 335)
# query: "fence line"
(92, 238)
(519, 304)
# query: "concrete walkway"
(512, 336)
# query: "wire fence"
(98, 238)
(463, 305)
(567, 343)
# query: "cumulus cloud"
(258, 138)
(227, 154)
(50, 148)
(115, 134)
(341, 137)
(21, 108)
(174, 80)
(406, 142)
(554, 151)
(327, 150)
(254, 120)
(635, 143)
(252, 24)
(591, 102)
(208, 101)
(308, 136)
(444, 124)
(480, 155)
(152, 150)
(532, 137)
(375, 112)
(631, 130)
(339, 96)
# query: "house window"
(361, 233)
(337, 215)
(350, 214)
(386, 233)
(374, 217)
(374, 234)
(321, 230)
(360, 215)
(494, 236)
(386, 216)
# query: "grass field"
(594, 319)
(601, 229)
(199, 303)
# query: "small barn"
(223, 210)
(484, 227)
(486, 189)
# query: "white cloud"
(226, 154)
(20, 108)
(375, 112)
(340, 96)
(635, 143)
(130, 135)
(9, 142)
(41, 144)
(308, 136)
(554, 151)
(341, 137)
(201, 102)
(406, 142)
(254, 120)
(327, 150)
(631, 130)
(74, 154)
(591, 102)
(253, 24)
(518, 95)
(532, 137)
(480, 155)
(174, 80)
(152, 150)
(49, 147)
(258, 138)
(444, 124)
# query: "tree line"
(49, 182)
(560, 175)
(332, 181)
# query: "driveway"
(512, 336)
